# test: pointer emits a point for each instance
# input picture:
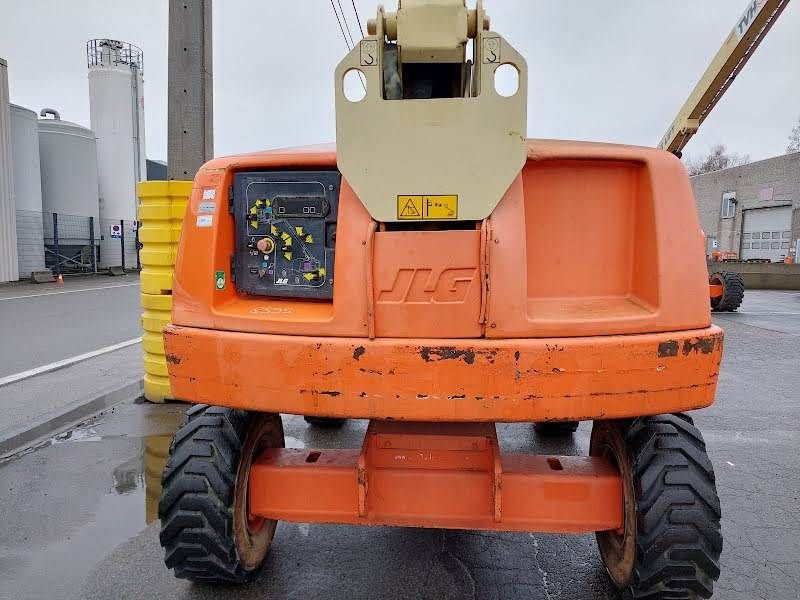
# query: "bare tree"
(794, 139)
(717, 159)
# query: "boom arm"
(737, 49)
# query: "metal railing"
(113, 52)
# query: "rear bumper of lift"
(444, 475)
(583, 378)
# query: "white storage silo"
(27, 189)
(68, 159)
(116, 104)
(8, 230)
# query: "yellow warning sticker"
(427, 207)
(409, 207)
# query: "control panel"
(285, 232)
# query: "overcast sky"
(613, 71)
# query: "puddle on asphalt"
(85, 434)
(156, 449)
(136, 478)
(73, 498)
(141, 473)
(76, 497)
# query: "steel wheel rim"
(618, 550)
(253, 534)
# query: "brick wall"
(781, 174)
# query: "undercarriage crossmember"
(446, 475)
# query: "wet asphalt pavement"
(84, 314)
(77, 514)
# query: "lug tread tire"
(196, 502)
(678, 541)
(732, 291)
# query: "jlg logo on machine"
(423, 286)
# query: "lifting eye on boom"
(417, 70)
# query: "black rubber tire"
(556, 428)
(198, 494)
(325, 422)
(732, 291)
(675, 513)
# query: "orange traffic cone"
(60, 280)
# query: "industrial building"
(752, 210)
(68, 192)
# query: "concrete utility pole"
(190, 105)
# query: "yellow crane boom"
(750, 29)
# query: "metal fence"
(81, 244)
(30, 242)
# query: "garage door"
(766, 233)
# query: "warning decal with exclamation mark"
(427, 207)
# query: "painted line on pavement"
(105, 287)
(66, 362)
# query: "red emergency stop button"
(265, 245)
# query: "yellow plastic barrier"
(156, 449)
(161, 208)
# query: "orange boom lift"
(417, 275)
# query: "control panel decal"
(286, 233)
